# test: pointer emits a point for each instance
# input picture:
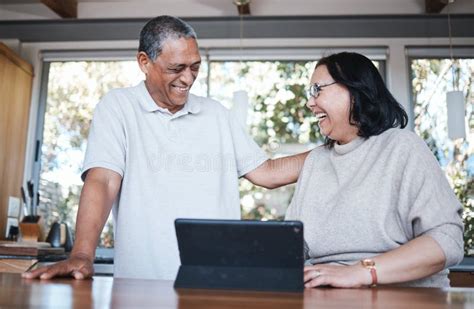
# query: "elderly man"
(155, 153)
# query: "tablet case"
(236, 254)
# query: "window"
(74, 88)
(278, 120)
(431, 78)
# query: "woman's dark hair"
(373, 108)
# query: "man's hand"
(77, 266)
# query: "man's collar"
(192, 106)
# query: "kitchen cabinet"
(16, 77)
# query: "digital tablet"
(240, 254)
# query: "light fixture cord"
(241, 34)
(453, 69)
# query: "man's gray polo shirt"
(182, 165)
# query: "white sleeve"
(106, 144)
(248, 154)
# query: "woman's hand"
(339, 276)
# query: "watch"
(370, 265)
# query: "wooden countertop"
(103, 292)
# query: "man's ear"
(143, 62)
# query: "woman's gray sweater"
(371, 196)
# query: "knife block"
(32, 231)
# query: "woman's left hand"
(339, 276)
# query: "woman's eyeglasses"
(315, 89)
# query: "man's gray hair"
(158, 30)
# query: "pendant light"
(454, 98)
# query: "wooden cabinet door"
(16, 78)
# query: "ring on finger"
(316, 274)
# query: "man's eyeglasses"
(315, 89)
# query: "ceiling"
(105, 9)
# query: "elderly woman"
(376, 207)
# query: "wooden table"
(103, 292)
